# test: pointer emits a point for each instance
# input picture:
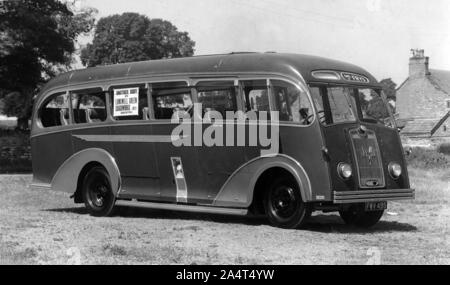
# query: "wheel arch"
(248, 175)
(69, 176)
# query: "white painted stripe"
(41, 185)
(16, 175)
(129, 138)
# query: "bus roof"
(288, 64)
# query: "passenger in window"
(89, 108)
(283, 108)
(292, 103)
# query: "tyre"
(356, 216)
(97, 193)
(283, 204)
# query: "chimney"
(418, 63)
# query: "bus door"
(219, 155)
(181, 180)
(133, 143)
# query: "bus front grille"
(368, 159)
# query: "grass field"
(45, 227)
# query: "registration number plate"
(376, 206)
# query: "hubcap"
(98, 191)
(283, 202)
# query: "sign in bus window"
(129, 103)
(126, 102)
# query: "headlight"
(395, 170)
(345, 170)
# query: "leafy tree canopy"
(134, 37)
(37, 40)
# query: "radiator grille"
(368, 159)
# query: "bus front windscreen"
(340, 104)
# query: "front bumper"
(362, 196)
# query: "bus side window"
(55, 112)
(255, 95)
(88, 106)
(217, 96)
(171, 98)
(292, 103)
(129, 103)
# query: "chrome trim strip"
(372, 195)
(362, 192)
(183, 208)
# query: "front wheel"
(356, 216)
(284, 205)
(97, 192)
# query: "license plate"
(376, 206)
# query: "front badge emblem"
(369, 154)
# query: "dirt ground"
(45, 227)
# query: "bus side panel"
(49, 152)
(195, 183)
(218, 162)
(305, 146)
(97, 137)
(135, 154)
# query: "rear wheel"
(97, 192)
(356, 216)
(283, 204)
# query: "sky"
(374, 34)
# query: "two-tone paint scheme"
(137, 154)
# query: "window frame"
(108, 117)
(323, 87)
(43, 104)
(190, 81)
(150, 97)
(235, 84)
(302, 88)
(268, 89)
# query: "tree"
(133, 37)
(37, 41)
(389, 88)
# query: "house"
(423, 100)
